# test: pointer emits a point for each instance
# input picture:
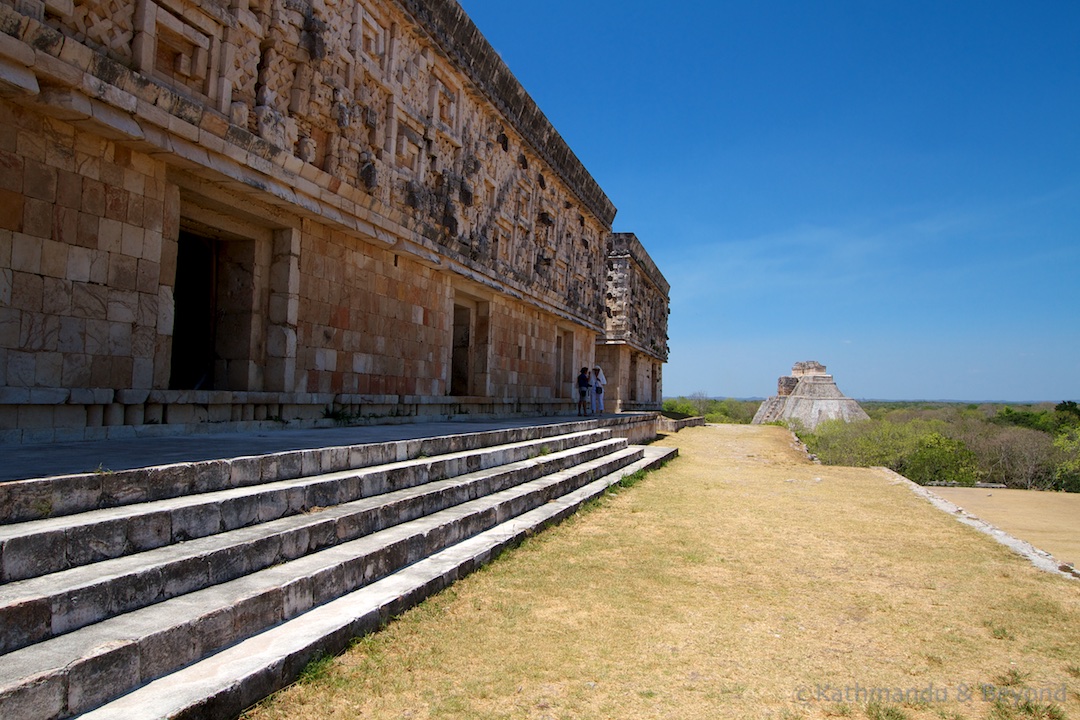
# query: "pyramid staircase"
(194, 590)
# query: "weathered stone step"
(35, 609)
(38, 498)
(40, 547)
(75, 672)
(226, 683)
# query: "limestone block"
(76, 370)
(120, 372)
(131, 237)
(26, 253)
(133, 414)
(39, 332)
(99, 267)
(5, 287)
(97, 336)
(6, 239)
(281, 342)
(17, 76)
(69, 189)
(26, 291)
(56, 296)
(39, 180)
(69, 416)
(72, 336)
(277, 309)
(178, 414)
(154, 414)
(132, 396)
(49, 369)
(37, 218)
(78, 264)
(90, 396)
(148, 309)
(89, 301)
(54, 258)
(14, 395)
(292, 313)
(93, 197)
(123, 272)
(270, 125)
(110, 234)
(325, 359)
(166, 310)
(142, 373)
(162, 360)
(120, 344)
(9, 417)
(122, 307)
(35, 416)
(238, 114)
(152, 246)
(101, 370)
(114, 414)
(169, 249)
(148, 274)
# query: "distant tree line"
(1021, 446)
(714, 410)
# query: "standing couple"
(591, 391)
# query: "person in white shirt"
(598, 382)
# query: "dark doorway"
(195, 318)
(459, 359)
(564, 364)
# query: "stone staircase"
(194, 590)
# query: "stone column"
(284, 308)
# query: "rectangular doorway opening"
(459, 358)
(564, 364)
(213, 344)
(195, 318)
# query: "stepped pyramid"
(809, 396)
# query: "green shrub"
(937, 458)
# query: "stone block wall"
(81, 258)
(636, 297)
(356, 176)
(634, 344)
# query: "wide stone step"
(40, 547)
(75, 672)
(38, 498)
(42, 607)
(226, 683)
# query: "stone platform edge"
(42, 497)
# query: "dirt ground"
(1048, 520)
(738, 581)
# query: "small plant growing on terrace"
(1012, 678)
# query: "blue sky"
(891, 188)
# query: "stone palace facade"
(228, 213)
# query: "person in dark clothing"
(584, 385)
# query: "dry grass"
(1048, 520)
(739, 581)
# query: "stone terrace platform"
(35, 460)
(188, 577)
